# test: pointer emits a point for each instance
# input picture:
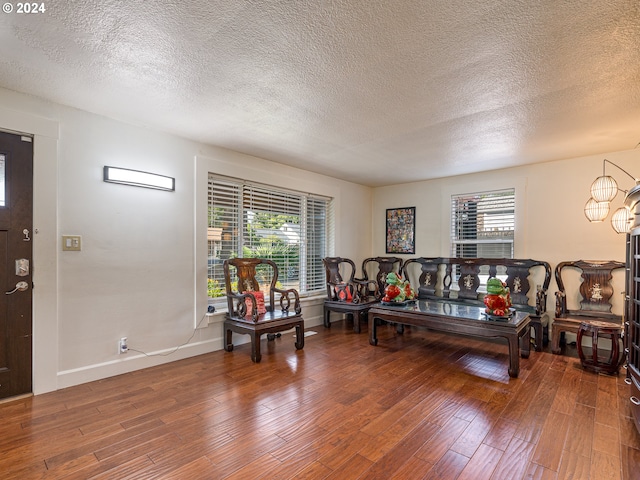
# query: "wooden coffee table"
(452, 317)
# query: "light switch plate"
(71, 243)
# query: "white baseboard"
(133, 361)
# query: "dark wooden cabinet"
(632, 307)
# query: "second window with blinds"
(252, 220)
(483, 224)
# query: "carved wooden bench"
(463, 279)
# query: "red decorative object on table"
(397, 289)
(498, 298)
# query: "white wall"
(137, 274)
(550, 220)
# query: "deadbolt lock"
(22, 267)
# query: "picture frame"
(401, 230)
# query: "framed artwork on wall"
(401, 230)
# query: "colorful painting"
(401, 230)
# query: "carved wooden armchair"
(382, 266)
(347, 294)
(249, 313)
(595, 291)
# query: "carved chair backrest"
(382, 267)
(437, 274)
(595, 288)
(424, 273)
(519, 277)
(252, 274)
(338, 270)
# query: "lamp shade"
(604, 189)
(596, 211)
(621, 220)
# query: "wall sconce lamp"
(603, 190)
(136, 178)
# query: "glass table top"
(458, 310)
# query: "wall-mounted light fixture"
(603, 190)
(136, 178)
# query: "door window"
(2, 189)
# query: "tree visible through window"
(251, 220)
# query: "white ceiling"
(376, 92)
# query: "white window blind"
(253, 220)
(223, 239)
(319, 226)
(483, 224)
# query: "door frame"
(45, 242)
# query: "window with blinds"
(253, 220)
(483, 224)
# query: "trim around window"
(247, 219)
(506, 179)
(261, 172)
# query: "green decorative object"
(397, 289)
(498, 298)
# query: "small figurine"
(498, 298)
(397, 289)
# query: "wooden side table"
(598, 361)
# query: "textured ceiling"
(375, 92)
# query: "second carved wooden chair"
(347, 294)
(377, 268)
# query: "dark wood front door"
(16, 236)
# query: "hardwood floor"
(422, 405)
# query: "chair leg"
(555, 340)
(357, 318)
(228, 345)
(300, 336)
(537, 328)
(327, 320)
(350, 317)
(255, 347)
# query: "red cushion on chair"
(259, 302)
(343, 292)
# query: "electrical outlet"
(123, 347)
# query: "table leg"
(514, 356)
(373, 337)
(525, 343)
(615, 352)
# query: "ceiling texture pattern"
(375, 92)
